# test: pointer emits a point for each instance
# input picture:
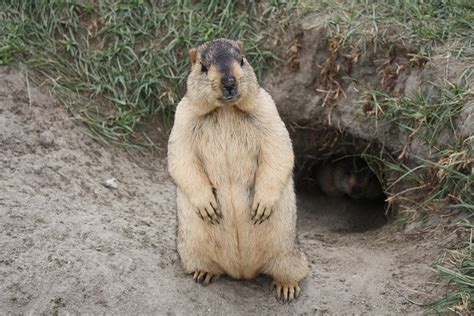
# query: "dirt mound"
(69, 244)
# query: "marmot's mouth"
(229, 99)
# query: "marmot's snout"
(228, 88)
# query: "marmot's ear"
(193, 55)
(241, 46)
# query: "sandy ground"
(68, 244)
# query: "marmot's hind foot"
(285, 293)
(204, 277)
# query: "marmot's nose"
(228, 87)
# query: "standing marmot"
(232, 159)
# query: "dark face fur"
(357, 183)
(220, 72)
(223, 55)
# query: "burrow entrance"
(336, 185)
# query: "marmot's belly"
(245, 246)
(245, 254)
(241, 252)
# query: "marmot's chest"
(228, 143)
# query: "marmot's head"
(220, 74)
(353, 180)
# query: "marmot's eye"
(242, 62)
(203, 69)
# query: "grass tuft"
(122, 62)
(459, 270)
(423, 24)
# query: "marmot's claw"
(216, 210)
(286, 293)
(207, 208)
(199, 214)
(209, 214)
(204, 277)
(261, 213)
(266, 218)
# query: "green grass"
(459, 270)
(447, 175)
(122, 62)
(421, 115)
(118, 63)
(421, 24)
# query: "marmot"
(348, 177)
(231, 157)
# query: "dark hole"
(338, 192)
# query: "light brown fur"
(232, 163)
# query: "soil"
(73, 242)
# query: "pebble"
(111, 184)
(46, 139)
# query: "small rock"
(111, 184)
(46, 139)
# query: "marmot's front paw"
(206, 208)
(262, 209)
